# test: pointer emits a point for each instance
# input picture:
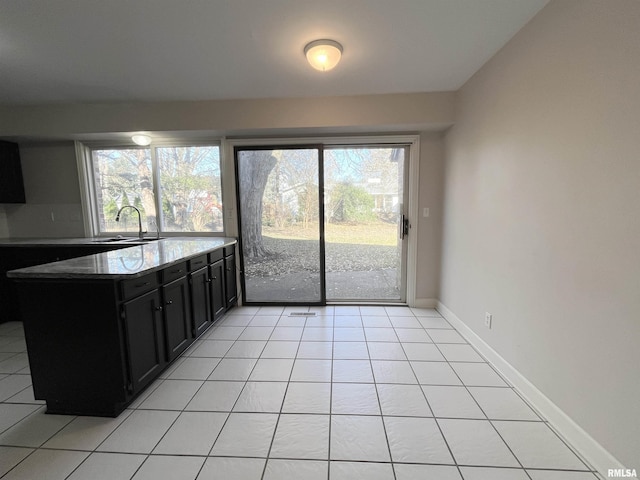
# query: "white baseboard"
(599, 458)
(425, 303)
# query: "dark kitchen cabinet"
(177, 317)
(209, 287)
(80, 345)
(218, 298)
(13, 257)
(208, 291)
(144, 339)
(200, 300)
(95, 343)
(231, 289)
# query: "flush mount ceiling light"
(323, 55)
(141, 139)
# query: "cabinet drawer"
(198, 262)
(229, 250)
(137, 286)
(174, 271)
(216, 255)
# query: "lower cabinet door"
(177, 316)
(218, 303)
(200, 302)
(230, 280)
(144, 335)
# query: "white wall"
(542, 219)
(52, 191)
(429, 229)
(359, 113)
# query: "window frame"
(377, 139)
(89, 197)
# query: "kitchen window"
(175, 187)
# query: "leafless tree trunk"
(146, 189)
(253, 172)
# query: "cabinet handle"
(139, 285)
(159, 309)
(214, 278)
(170, 302)
(176, 271)
(208, 280)
(228, 269)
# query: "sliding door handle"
(404, 226)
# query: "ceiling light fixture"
(141, 139)
(323, 55)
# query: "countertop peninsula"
(101, 327)
(129, 262)
(72, 242)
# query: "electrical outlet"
(487, 320)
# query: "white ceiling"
(62, 51)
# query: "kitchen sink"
(114, 239)
(127, 239)
(142, 240)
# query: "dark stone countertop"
(128, 262)
(73, 242)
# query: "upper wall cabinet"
(11, 183)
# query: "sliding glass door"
(322, 223)
(280, 228)
(364, 211)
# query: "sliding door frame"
(287, 146)
(412, 171)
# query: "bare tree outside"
(124, 177)
(190, 191)
(191, 195)
(254, 168)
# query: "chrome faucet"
(140, 232)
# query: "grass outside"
(373, 233)
(348, 248)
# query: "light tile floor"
(376, 393)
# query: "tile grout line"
(484, 413)
(230, 410)
(514, 390)
(275, 429)
(375, 386)
(557, 434)
(165, 379)
(36, 449)
(164, 410)
(333, 336)
(182, 356)
(446, 442)
(237, 398)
